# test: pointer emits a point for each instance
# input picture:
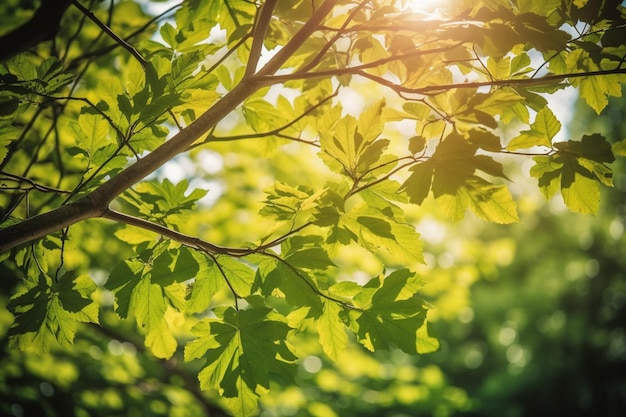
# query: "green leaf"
(168, 33)
(74, 296)
(580, 191)
(541, 132)
(592, 147)
(391, 314)
(262, 116)
(579, 188)
(296, 286)
(242, 349)
(596, 90)
(490, 202)
(284, 201)
(306, 252)
(122, 280)
(370, 155)
(454, 163)
(48, 313)
(239, 275)
(196, 100)
(498, 101)
(378, 232)
(417, 144)
(30, 308)
(485, 140)
(425, 342)
(592, 153)
(176, 265)
(208, 282)
(417, 185)
(619, 148)
(399, 285)
(370, 124)
(352, 145)
(163, 201)
(453, 205)
(547, 171)
(376, 226)
(91, 133)
(331, 330)
(149, 306)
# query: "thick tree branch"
(264, 17)
(316, 60)
(96, 203)
(298, 39)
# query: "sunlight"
(424, 6)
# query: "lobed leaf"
(243, 349)
(541, 132)
(331, 330)
(48, 313)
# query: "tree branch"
(298, 39)
(260, 29)
(436, 89)
(540, 81)
(96, 203)
(313, 62)
(33, 185)
(112, 34)
(172, 234)
(273, 132)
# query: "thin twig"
(38, 187)
(274, 132)
(172, 234)
(112, 34)
(310, 284)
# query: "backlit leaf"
(332, 332)
(243, 349)
(239, 275)
(491, 202)
(390, 315)
(48, 314)
(541, 132)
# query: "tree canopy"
(240, 179)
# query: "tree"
(309, 100)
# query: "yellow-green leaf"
(331, 330)
(490, 202)
(541, 132)
(619, 148)
(580, 192)
(425, 342)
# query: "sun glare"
(424, 6)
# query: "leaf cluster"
(314, 100)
